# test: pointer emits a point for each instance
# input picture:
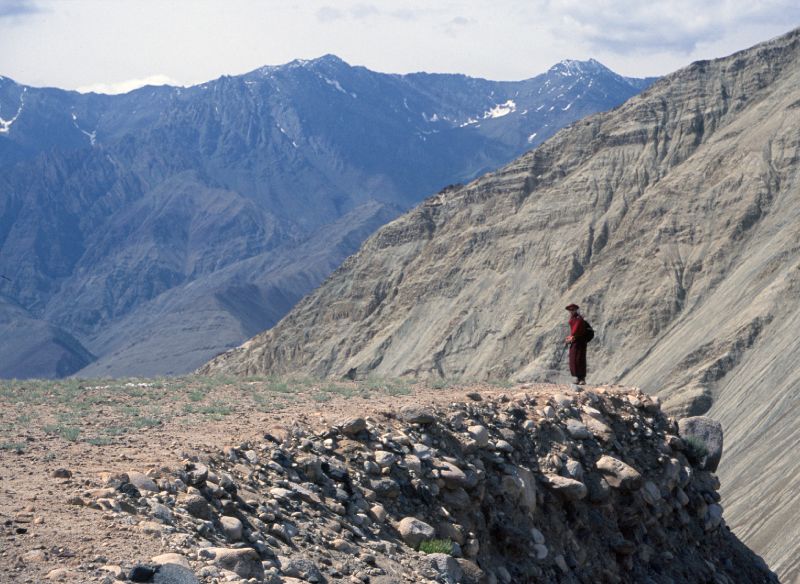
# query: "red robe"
(577, 348)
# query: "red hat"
(573, 307)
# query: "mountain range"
(673, 220)
(142, 234)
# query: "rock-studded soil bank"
(524, 484)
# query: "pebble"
(569, 488)
(578, 430)
(541, 551)
(385, 459)
(244, 562)
(503, 446)
(353, 426)
(479, 434)
(416, 415)
(232, 528)
(62, 575)
(196, 506)
(618, 474)
(142, 482)
(172, 573)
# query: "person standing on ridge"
(577, 339)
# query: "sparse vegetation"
(215, 410)
(69, 433)
(18, 447)
(99, 411)
(389, 386)
(145, 422)
(441, 383)
(436, 546)
(196, 395)
(696, 449)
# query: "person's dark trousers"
(577, 360)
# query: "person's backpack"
(588, 331)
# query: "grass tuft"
(696, 449)
(18, 447)
(436, 546)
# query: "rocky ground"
(263, 480)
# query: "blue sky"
(114, 45)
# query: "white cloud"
(364, 10)
(361, 11)
(18, 8)
(676, 26)
(129, 85)
(329, 14)
(455, 25)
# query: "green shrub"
(145, 422)
(69, 433)
(196, 395)
(436, 546)
(696, 449)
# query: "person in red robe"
(577, 345)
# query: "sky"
(113, 46)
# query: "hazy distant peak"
(327, 60)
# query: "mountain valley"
(119, 215)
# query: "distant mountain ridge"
(673, 220)
(136, 208)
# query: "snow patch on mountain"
(5, 125)
(501, 109)
(91, 135)
(338, 86)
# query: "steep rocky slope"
(117, 210)
(538, 484)
(673, 220)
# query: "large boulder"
(447, 566)
(519, 485)
(353, 426)
(413, 531)
(142, 481)
(618, 474)
(570, 489)
(709, 431)
(243, 561)
(170, 573)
